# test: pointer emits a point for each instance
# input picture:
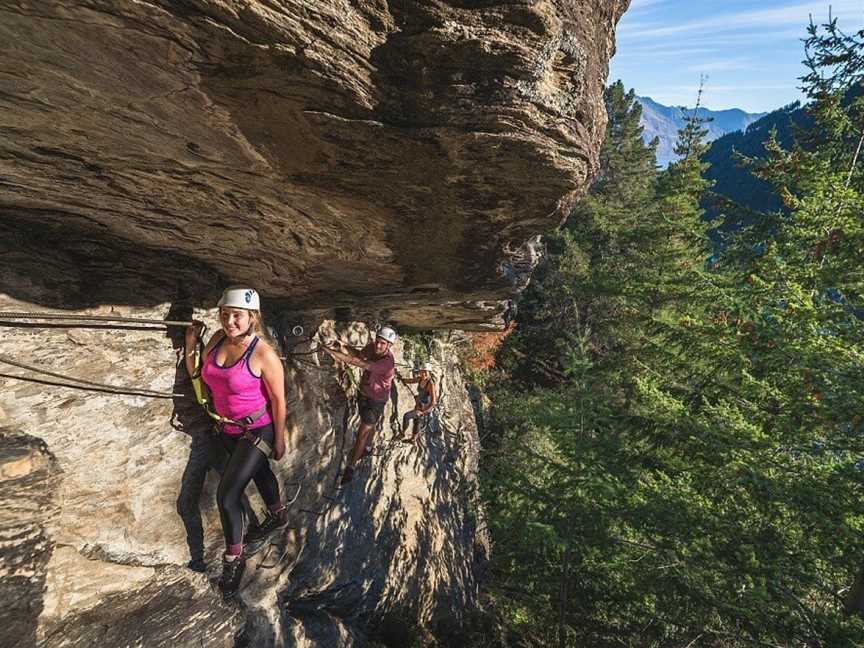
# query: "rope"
(293, 344)
(87, 385)
(296, 354)
(311, 365)
(4, 315)
(74, 321)
(80, 325)
(406, 385)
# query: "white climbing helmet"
(240, 297)
(386, 333)
(426, 366)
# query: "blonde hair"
(260, 329)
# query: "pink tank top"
(236, 391)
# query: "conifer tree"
(695, 477)
(558, 311)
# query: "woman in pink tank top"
(247, 385)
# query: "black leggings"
(246, 463)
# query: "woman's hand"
(193, 331)
(278, 448)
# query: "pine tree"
(693, 472)
(559, 311)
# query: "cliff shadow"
(371, 564)
(62, 260)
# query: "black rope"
(87, 325)
(82, 383)
(118, 392)
(14, 315)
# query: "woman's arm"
(273, 375)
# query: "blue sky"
(751, 52)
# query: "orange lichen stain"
(484, 347)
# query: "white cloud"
(849, 11)
(639, 5)
(662, 51)
(702, 44)
(744, 63)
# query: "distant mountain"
(738, 184)
(664, 122)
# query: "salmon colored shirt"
(376, 380)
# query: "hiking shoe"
(232, 572)
(273, 523)
(197, 565)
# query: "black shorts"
(371, 411)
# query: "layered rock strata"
(112, 487)
(374, 155)
(357, 161)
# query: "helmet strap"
(243, 336)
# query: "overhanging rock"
(332, 152)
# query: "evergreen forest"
(674, 452)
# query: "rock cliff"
(379, 155)
(357, 161)
(105, 496)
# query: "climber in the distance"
(425, 400)
(379, 367)
(246, 381)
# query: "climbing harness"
(202, 397)
(243, 423)
(258, 442)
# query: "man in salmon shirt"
(379, 367)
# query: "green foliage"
(678, 458)
(579, 290)
(732, 178)
(418, 346)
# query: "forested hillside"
(676, 453)
(732, 179)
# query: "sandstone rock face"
(27, 502)
(376, 155)
(359, 161)
(111, 495)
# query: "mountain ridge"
(664, 122)
(737, 183)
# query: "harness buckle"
(258, 442)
